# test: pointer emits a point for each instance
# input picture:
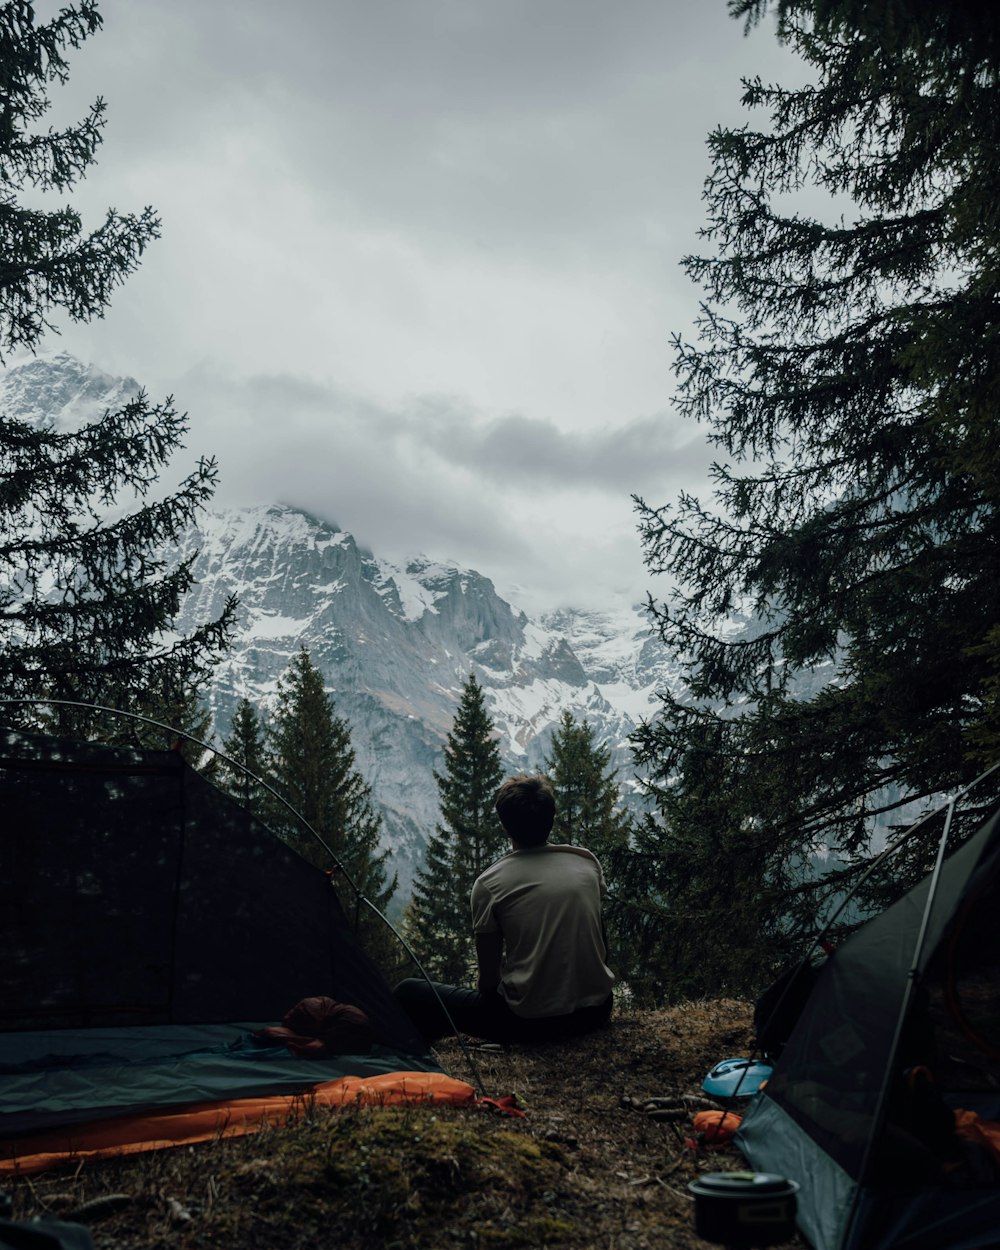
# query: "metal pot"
(744, 1208)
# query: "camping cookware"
(744, 1208)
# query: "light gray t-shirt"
(546, 903)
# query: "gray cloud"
(629, 458)
(515, 125)
(267, 411)
(529, 505)
(420, 257)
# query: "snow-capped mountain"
(394, 642)
(57, 390)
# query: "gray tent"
(901, 1030)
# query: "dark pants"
(488, 1016)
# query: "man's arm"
(488, 949)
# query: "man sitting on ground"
(540, 945)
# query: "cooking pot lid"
(734, 1183)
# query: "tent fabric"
(962, 1219)
(132, 891)
(213, 1121)
(822, 1105)
(149, 924)
(768, 1132)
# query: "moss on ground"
(400, 1177)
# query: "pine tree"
(312, 767)
(697, 907)
(49, 263)
(162, 716)
(246, 747)
(86, 600)
(466, 841)
(848, 369)
(589, 813)
(188, 721)
(588, 799)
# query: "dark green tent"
(900, 1033)
(148, 924)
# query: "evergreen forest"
(845, 368)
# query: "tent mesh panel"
(134, 892)
(841, 1053)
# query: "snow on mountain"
(57, 390)
(394, 642)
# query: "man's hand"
(488, 950)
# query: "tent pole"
(908, 990)
(205, 746)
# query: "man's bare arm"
(488, 949)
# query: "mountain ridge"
(396, 642)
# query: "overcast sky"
(420, 261)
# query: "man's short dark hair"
(526, 806)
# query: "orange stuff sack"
(713, 1129)
(970, 1127)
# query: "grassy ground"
(586, 1167)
